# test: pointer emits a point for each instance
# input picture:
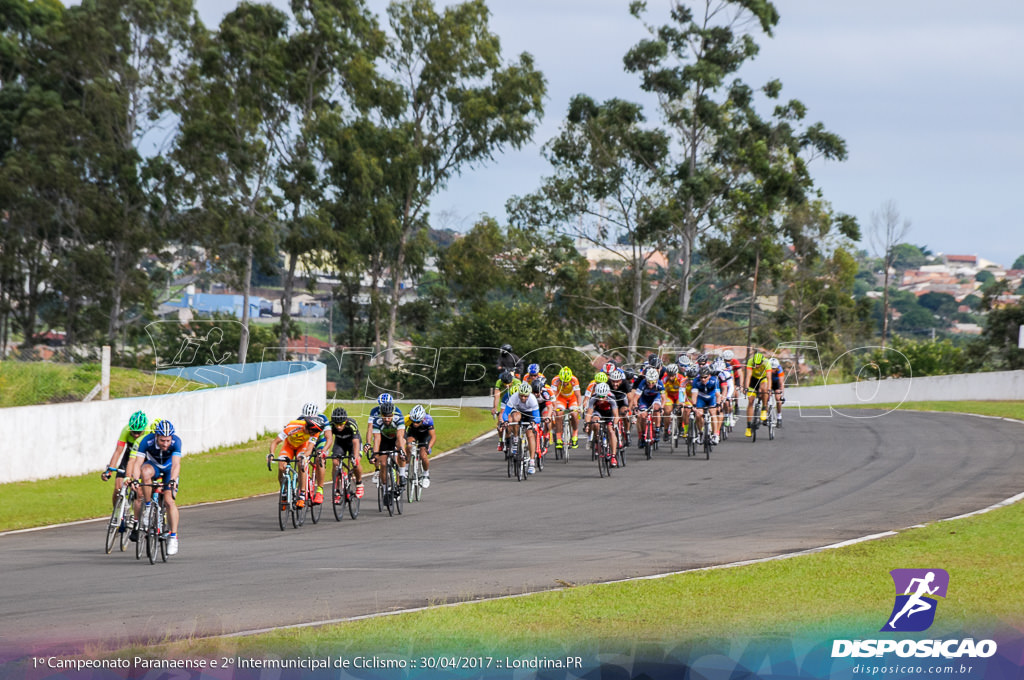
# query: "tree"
(942, 304)
(886, 231)
(1018, 263)
(234, 114)
(908, 256)
(458, 105)
(998, 344)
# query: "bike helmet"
(313, 424)
(506, 377)
(616, 375)
(309, 409)
(601, 377)
(533, 369)
(702, 360)
(322, 419)
(386, 404)
(758, 358)
(728, 355)
(565, 375)
(538, 385)
(653, 361)
(525, 389)
(705, 372)
(506, 348)
(775, 364)
(602, 391)
(137, 422)
(164, 429)
(609, 367)
(339, 416)
(417, 414)
(692, 371)
(671, 369)
(684, 360)
(651, 376)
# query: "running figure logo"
(915, 605)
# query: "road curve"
(478, 534)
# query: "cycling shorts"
(421, 437)
(648, 402)
(289, 450)
(754, 382)
(776, 384)
(671, 401)
(162, 472)
(707, 402)
(345, 447)
(564, 403)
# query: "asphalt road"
(479, 534)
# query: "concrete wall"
(53, 440)
(1005, 385)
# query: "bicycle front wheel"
(338, 490)
(164, 533)
(151, 534)
(351, 499)
(283, 505)
(129, 519)
(115, 523)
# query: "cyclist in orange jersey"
(296, 439)
(566, 388)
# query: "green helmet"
(138, 421)
(565, 374)
(758, 359)
(601, 377)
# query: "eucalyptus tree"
(734, 171)
(234, 115)
(458, 105)
(610, 186)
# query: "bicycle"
(122, 516)
(562, 452)
(542, 446)
(757, 415)
(314, 509)
(389, 495)
(289, 493)
(706, 433)
(674, 429)
(622, 439)
(155, 518)
(649, 444)
(603, 452)
(772, 424)
(343, 488)
(691, 433)
(414, 482)
(518, 451)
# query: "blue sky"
(929, 95)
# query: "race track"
(479, 534)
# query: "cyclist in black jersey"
(347, 443)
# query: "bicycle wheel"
(771, 422)
(339, 484)
(140, 537)
(151, 533)
(164, 535)
(315, 509)
(707, 437)
(389, 489)
(129, 519)
(413, 481)
(398, 493)
(351, 499)
(115, 522)
(283, 504)
(648, 437)
(382, 487)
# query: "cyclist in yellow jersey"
(674, 382)
(296, 439)
(756, 379)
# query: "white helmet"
(775, 364)
(719, 365)
(417, 414)
(309, 409)
(601, 390)
(651, 375)
(617, 374)
(728, 355)
(684, 360)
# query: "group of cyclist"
(148, 456)
(621, 396)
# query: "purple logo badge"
(916, 592)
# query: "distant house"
(306, 348)
(216, 303)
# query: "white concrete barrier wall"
(1002, 385)
(54, 440)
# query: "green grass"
(28, 383)
(1002, 409)
(228, 472)
(835, 593)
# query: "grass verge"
(29, 383)
(228, 472)
(834, 593)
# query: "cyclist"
(389, 436)
(705, 395)
(509, 361)
(736, 366)
(519, 404)
(296, 441)
(384, 398)
(323, 442)
(419, 432)
(567, 398)
(347, 444)
(545, 403)
(504, 388)
(727, 387)
(622, 393)
(600, 377)
(131, 434)
(160, 456)
(603, 409)
(778, 388)
(754, 378)
(674, 383)
(649, 400)
(532, 373)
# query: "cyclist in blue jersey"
(384, 399)
(519, 405)
(705, 395)
(388, 429)
(158, 458)
(420, 438)
(649, 391)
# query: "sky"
(928, 94)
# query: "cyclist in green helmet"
(758, 382)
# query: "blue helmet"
(533, 369)
(164, 429)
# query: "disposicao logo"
(914, 611)
(916, 592)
